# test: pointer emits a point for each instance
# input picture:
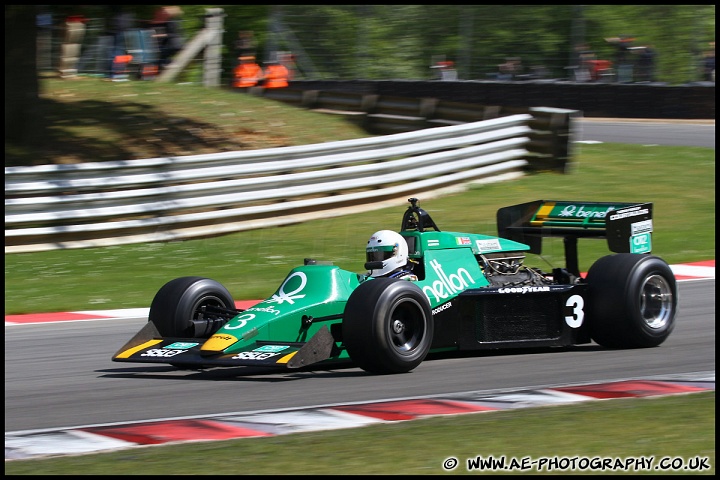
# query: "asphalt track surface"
(59, 374)
(679, 133)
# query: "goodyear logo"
(523, 289)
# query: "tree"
(23, 123)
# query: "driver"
(387, 256)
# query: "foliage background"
(400, 41)
(372, 42)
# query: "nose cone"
(217, 343)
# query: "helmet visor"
(378, 254)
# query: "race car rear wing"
(626, 226)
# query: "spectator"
(447, 71)
(539, 72)
(276, 75)
(510, 69)
(72, 45)
(245, 44)
(168, 33)
(708, 66)
(444, 69)
(120, 22)
(247, 74)
(244, 48)
(623, 60)
(646, 64)
(44, 43)
(288, 59)
(582, 65)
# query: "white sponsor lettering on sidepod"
(446, 285)
(441, 308)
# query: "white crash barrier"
(111, 203)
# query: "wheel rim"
(656, 302)
(201, 324)
(209, 301)
(407, 327)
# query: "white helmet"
(387, 247)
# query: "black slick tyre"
(179, 308)
(387, 326)
(633, 301)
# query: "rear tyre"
(633, 301)
(387, 326)
(180, 307)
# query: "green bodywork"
(313, 296)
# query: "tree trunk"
(23, 121)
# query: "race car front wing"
(148, 346)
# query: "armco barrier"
(606, 100)
(387, 114)
(110, 203)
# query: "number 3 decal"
(577, 303)
(242, 319)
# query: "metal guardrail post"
(208, 39)
(213, 51)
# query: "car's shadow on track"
(341, 369)
(515, 352)
(263, 375)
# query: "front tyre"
(633, 301)
(387, 326)
(187, 307)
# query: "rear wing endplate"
(626, 226)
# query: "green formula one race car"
(429, 290)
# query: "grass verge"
(609, 432)
(679, 181)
